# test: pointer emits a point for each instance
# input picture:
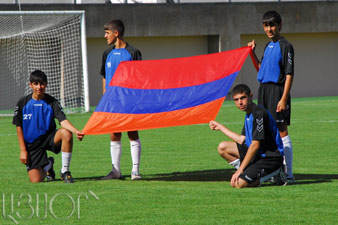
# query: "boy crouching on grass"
(256, 153)
(36, 129)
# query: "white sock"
(288, 155)
(46, 168)
(135, 150)
(66, 158)
(115, 153)
(236, 163)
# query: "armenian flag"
(163, 93)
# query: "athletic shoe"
(291, 180)
(112, 175)
(51, 173)
(135, 176)
(280, 178)
(67, 177)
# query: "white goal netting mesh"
(48, 42)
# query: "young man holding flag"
(119, 51)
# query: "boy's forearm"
(252, 150)
(69, 126)
(21, 139)
(103, 85)
(232, 135)
(255, 59)
(287, 87)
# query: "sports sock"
(49, 165)
(66, 158)
(135, 150)
(115, 152)
(288, 155)
(236, 163)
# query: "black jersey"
(277, 62)
(36, 117)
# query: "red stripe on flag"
(103, 123)
(179, 72)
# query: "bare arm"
(23, 150)
(253, 148)
(103, 85)
(287, 87)
(69, 126)
(232, 135)
(254, 57)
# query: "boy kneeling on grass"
(36, 129)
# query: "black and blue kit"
(260, 126)
(36, 117)
(112, 57)
(277, 62)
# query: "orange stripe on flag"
(103, 122)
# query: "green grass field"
(185, 181)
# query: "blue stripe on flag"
(142, 101)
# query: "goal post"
(51, 41)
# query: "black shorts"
(37, 155)
(269, 95)
(259, 167)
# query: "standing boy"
(119, 51)
(276, 71)
(36, 129)
(258, 151)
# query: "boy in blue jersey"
(36, 129)
(258, 151)
(276, 71)
(119, 51)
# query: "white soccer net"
(48, 41)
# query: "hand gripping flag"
(163, 93)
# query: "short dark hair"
(37, 76)
(241, 88)
(115, 25)
(271, 18)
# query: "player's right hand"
(24, 157)
(252, 44)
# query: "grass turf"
(185, 181)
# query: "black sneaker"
(51, 173)
(280, 178)
(67, 177)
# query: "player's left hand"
(281, 106)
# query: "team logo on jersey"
(270, 46)
(117, 53)
(259, 124)
(108, 64)
(38, 104)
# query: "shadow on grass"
(216, 176)
(203, 175)
(226, 174)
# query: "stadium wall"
(177, 30)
